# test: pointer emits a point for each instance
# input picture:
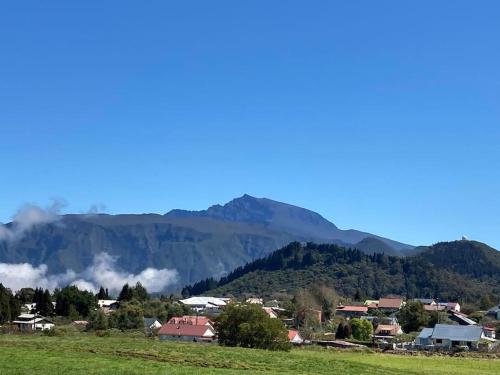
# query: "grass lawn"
(87, 354)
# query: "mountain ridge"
(197, 244)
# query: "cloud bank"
(103, 271)
(27, 217)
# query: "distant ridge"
(197, 244)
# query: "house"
(461, 319)
(424, 337)
(450, 306)
(489, 332)
(30, 322)
(390, 304)
(434, 308)
(209, 305)
(447, 336)
(426, 301)
(108, 305)
(270, 311)
(294, 337)
(352, 311)
(494, 312)
(187, 332)
(150, 325)
(256, 301)
(198, 320)
(387, 330)
(371, 302)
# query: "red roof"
(390, 303)
(292, 333)
(353, 308)
(190, 319)
(186, 330)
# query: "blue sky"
(381, 116)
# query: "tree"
(98, 321)
(140, 292)
(126, 294)
(361, 329)
(247, 325)
(103, 293)
(412, 316)
(9, 305)
(343, 331)
(128, 316)
(83, 301)
(485, 302)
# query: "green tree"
(412, 316)
(98, 321)
(83, 301)
(128, 316)
(361, 329)
(247, 325)
(103, 293)
(126, 294)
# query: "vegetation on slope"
(435, 272)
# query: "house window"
(439, 341)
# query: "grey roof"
(425, 301)
(148, 322)
(457, 333)
(425, 333)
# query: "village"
(384, 324)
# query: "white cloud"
(103, 272)
(27, 217)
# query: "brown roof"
(390, 303)
(190, 319)
(353, 308)
(392, 329)
(186, 330)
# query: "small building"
(426, 301)
(461, 319)
(489, 332)
(270, 311)
(451, 306)
(447, 336)
(390, 304)
(150, 325)
(256, 301)
(187, 332)
(494, 312)
(294, 337)
(30, 322)
(208, 305)
(434, 308)
(371, 302)
(387, 331)
(197, 320)
(108, 305)
(351, 311)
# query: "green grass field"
(86, 354)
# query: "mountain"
(460, 270)
(198, 244)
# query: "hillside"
(197, 244)
(461, 270)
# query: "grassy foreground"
(86, 354)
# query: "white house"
(448, 336)
(108, 305)
(33, 322)
(209, 305)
